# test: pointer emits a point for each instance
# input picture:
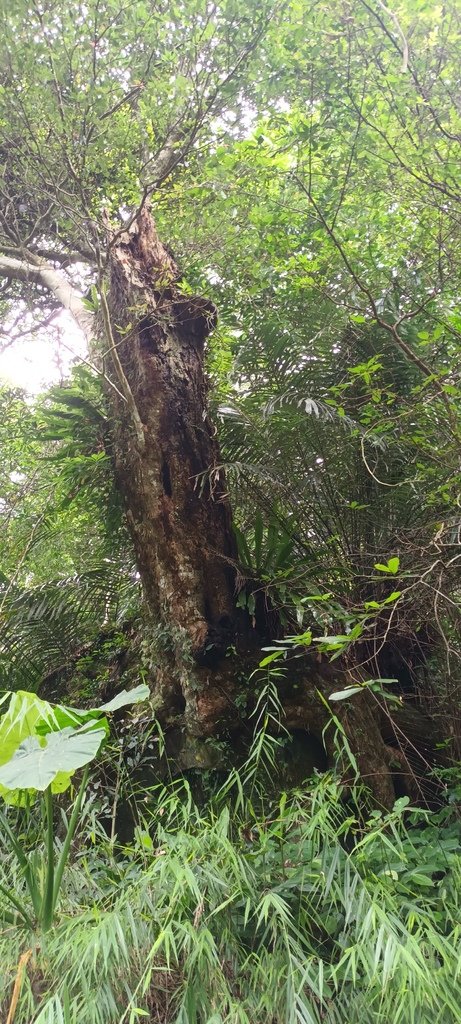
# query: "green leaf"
(30, 717)
(126, 697)
(39, 761)
(392, 565)
(270, 658)
(344, 694)
(26, 716)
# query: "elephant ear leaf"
(43, 744)
(39, 762)
(28, 715)
(126, 697)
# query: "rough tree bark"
(177, 510)
(165, 456)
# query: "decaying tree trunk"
(166, 460)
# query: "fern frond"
(43, 627)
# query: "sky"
(46, 358)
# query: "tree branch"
(51, 255)
(40, 272)
(405, 49)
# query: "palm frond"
(43, 626)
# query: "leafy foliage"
(67, 568)
(304, 171)
(44, 627)
(301, 910)
(41, 749)
(302, 159)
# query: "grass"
(251, 912)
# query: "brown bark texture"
(166, 464)
(176, 506)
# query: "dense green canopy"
(301, 162)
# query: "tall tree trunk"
(167, 472)
(166, 463)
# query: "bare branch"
(405, 51)
(25, 332)
(64, 259)
(40, 272)
(126, 98)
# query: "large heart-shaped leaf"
(30, 717)
(39, 761)
(78, 716)
(134, 696)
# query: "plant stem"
(17, 905)
(23, 863)
(69, 837)
(47, 905)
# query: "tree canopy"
(301, 161)
(240, 508)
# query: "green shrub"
(301, 912)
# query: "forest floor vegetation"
(293, 908)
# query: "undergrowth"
(249, 910)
